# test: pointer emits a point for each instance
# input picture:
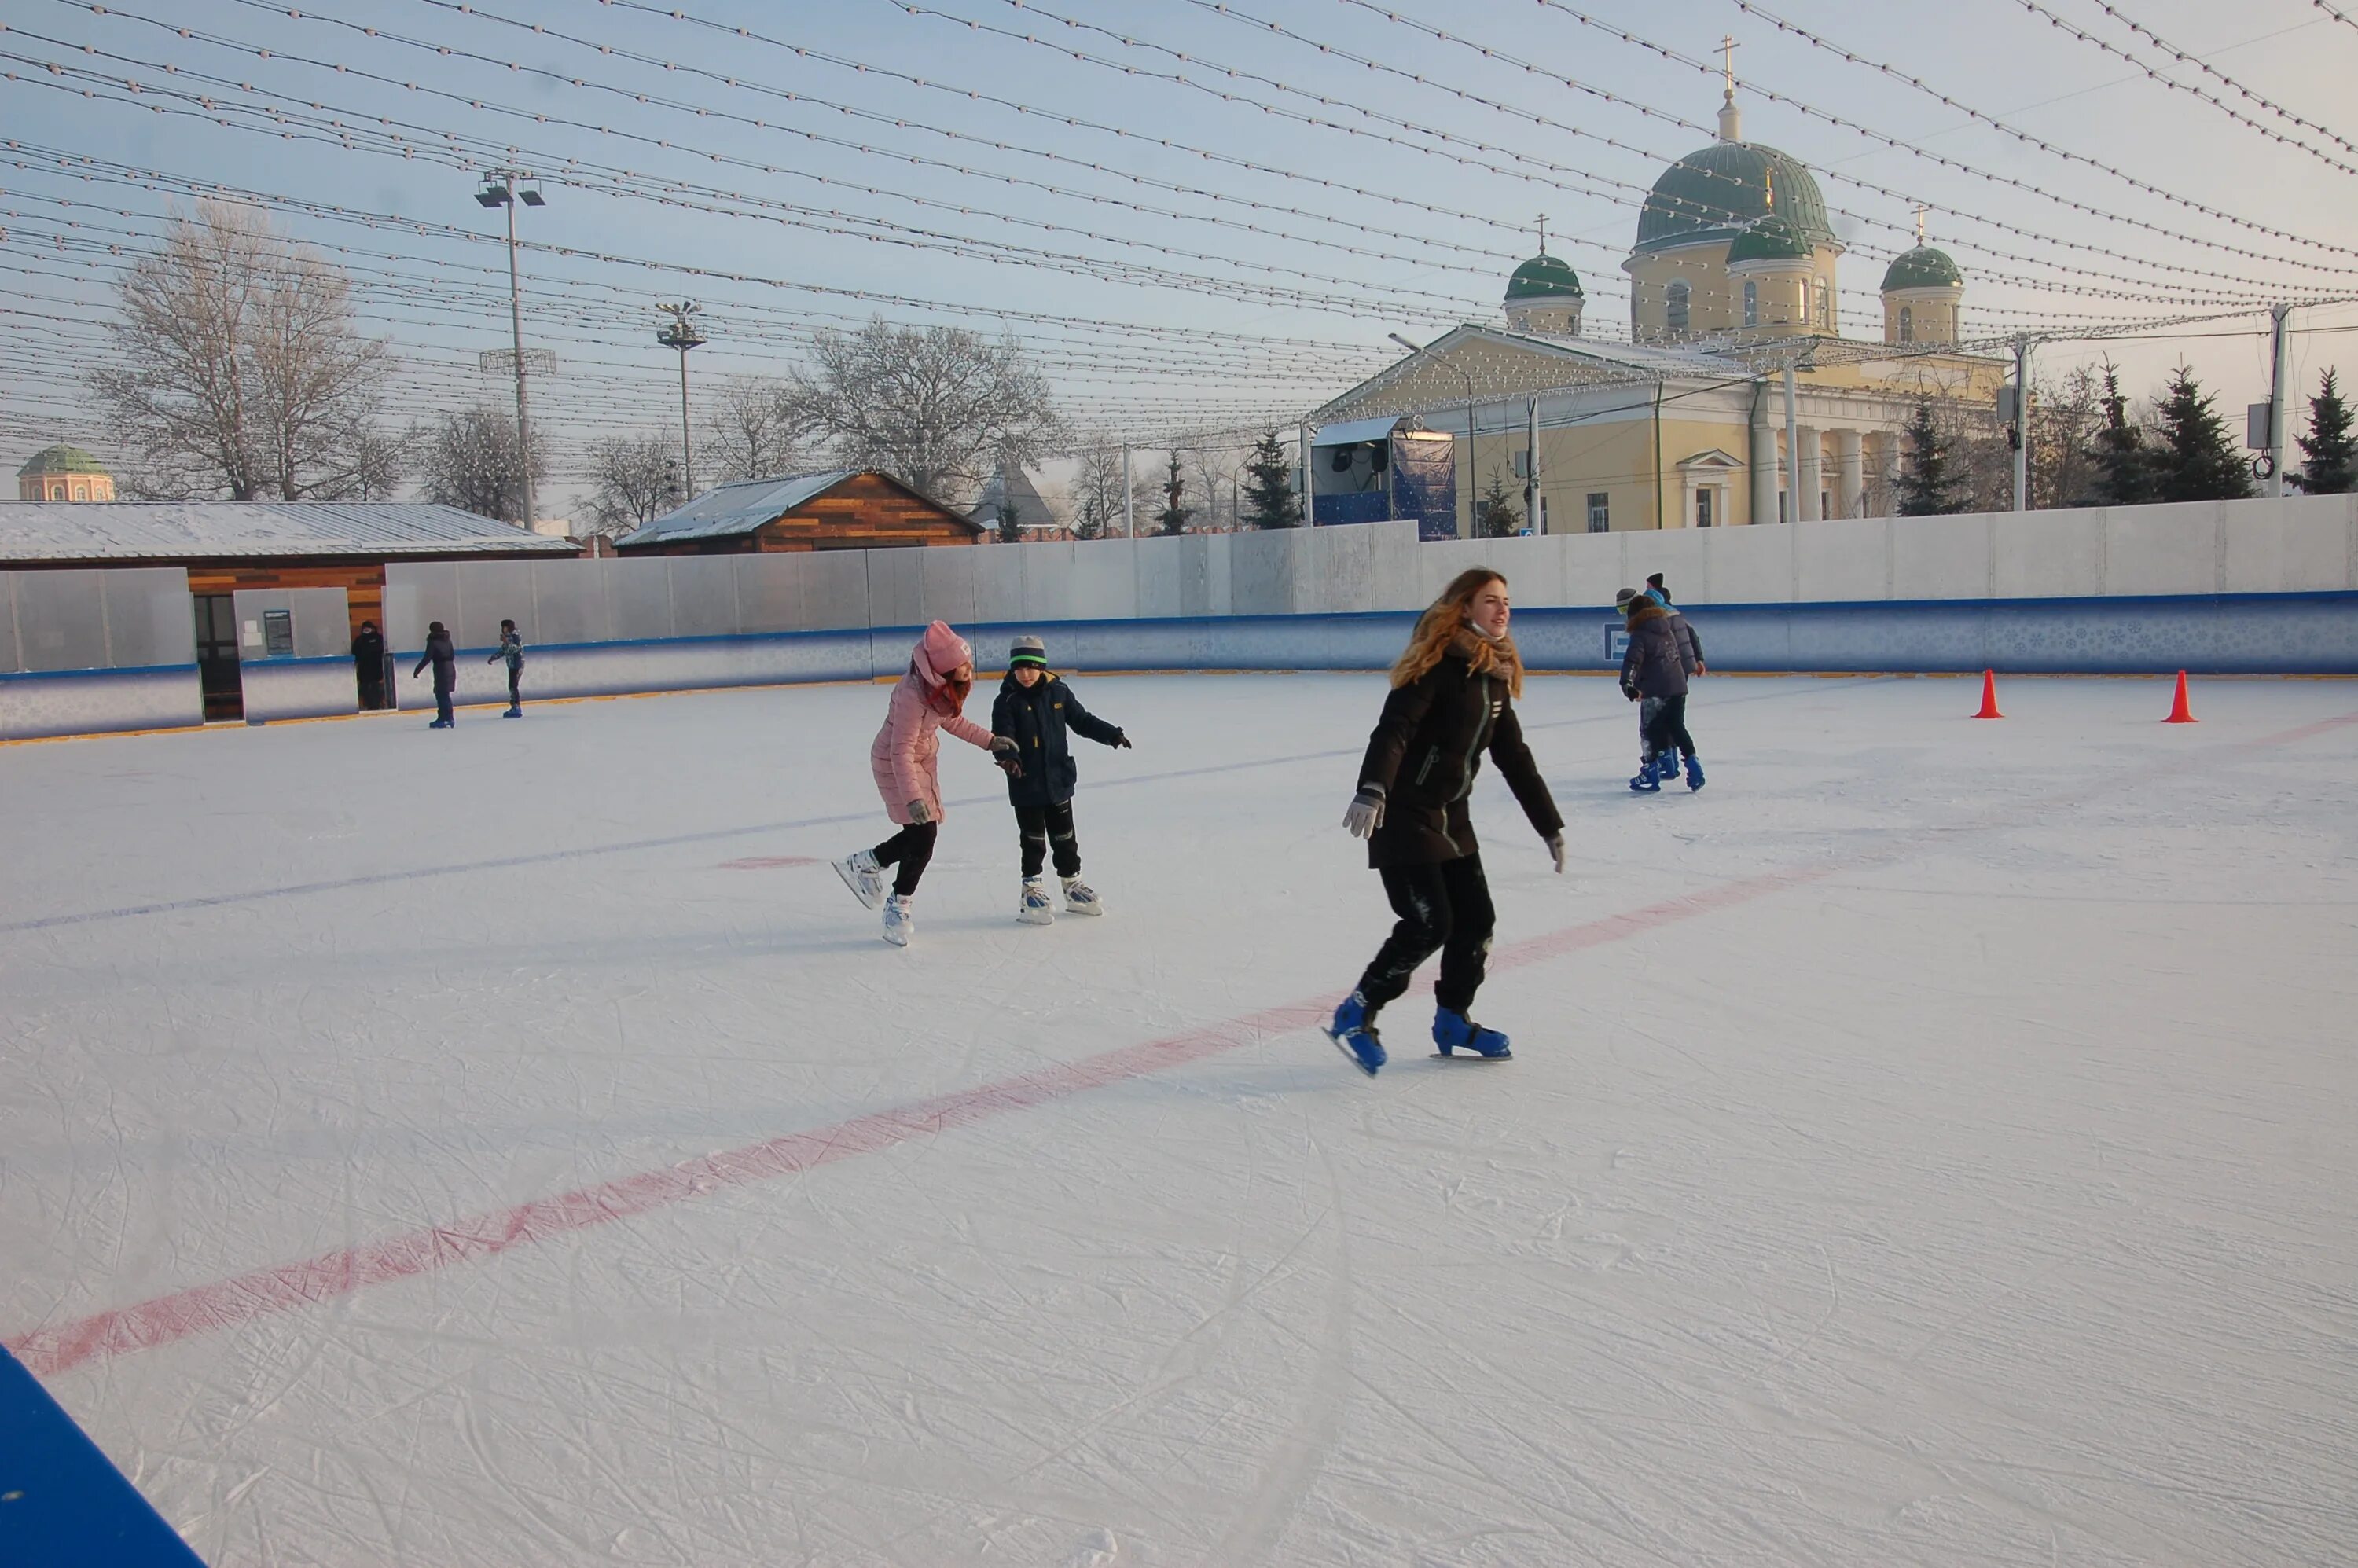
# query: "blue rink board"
(62, 1503)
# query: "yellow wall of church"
(1715, 297)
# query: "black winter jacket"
(445, 660)
(1035, 717)
(1654, 667)
(368, 656)
(1423, 756)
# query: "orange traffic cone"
(2178, 714)
(1989, 697)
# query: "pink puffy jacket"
(902, 757)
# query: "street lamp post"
(682, 335)
(1470, 520)
(505, 188)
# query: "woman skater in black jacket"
(1452, 700)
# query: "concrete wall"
(316, 680)
(82, 653)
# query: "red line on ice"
(227, 1303)
(766, 862)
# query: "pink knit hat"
(940, 652)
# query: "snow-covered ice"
(1930, 1144)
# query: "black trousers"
(442, 705)
(911, 848)
(1046, 827)
(1445, 908)
(515, 686)
(1669, 728)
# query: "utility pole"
(1792, 452)
(2022, 424)
(1129, 498)
(682, 335)
(2278, 374)
(505, 188)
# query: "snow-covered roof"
(737, 507)
(203, 530)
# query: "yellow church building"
(1736, 401)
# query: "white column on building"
(1762, 456)
(1808, 473)
(1850, 475)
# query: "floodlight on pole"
(505, 188)
(1470, 520)
(681, 334)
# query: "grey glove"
(1555, 847)
(1366, 812)
(920, 813)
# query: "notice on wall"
(278, 633)
(249, 635)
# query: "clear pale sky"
(1434, 236)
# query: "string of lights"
(2166, 47)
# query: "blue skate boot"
(1694, 771)
(1453, 1032)
(1648, 781)
(1354, 1034)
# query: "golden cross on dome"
(1768, 185)
(1921, 210)
(1728, 51)
(1543, 233)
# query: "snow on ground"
(1928, 1144)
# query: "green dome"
(1544, 277)
(1714, 192)
(1771, 238)
(63, 459)
(1923, 268)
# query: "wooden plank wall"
(363, 582)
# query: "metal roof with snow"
(228, 530)
(746, 505)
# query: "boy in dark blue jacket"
(1034, 709)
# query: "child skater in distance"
(511, 650)
(1452, 700)
(445, 660)
(929, 699)
(1034, 709)
(1655, 667)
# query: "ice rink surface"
(1931, 1144)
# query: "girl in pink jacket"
(927, 700)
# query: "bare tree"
(752, 429)
(932, 408)
(2064, 419)
(241, 372)
(1097, 493)
(470, 463)
(634, 481)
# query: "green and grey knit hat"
(1028, 651)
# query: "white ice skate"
(898, 923)
(862, 875)
(1033, 908)
(1080, 898)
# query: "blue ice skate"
(1694, 771)
(1354, 1036)
(1648, 781)
(1453, 1032)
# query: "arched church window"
(1751, 302)
(1825, 305)
(1908, 323)
(1675, 298)
(1802, 313)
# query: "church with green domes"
(1734, 281)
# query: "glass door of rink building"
(217, 656)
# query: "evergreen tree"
(2194, 457)
(2124, 467)
(1011, 523)
(1174, 517)
(1269, 486)
(2328, 458)
(1495, 515)
(1929, 485)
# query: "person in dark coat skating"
(1691, 652)
(445, 660)
(1655, 667)
(1035, 708)
(1452, 700)
(368, 664)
